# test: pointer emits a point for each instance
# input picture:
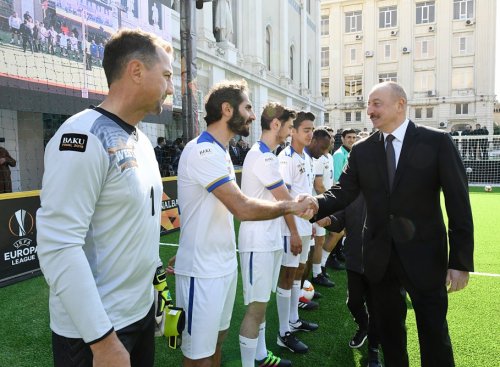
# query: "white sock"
(247, 350)
(324, 257)
(283, 305)
(294, 302)
(261, 345)
(316, 270)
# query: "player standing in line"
(323, 180)
(260, 242)
(99, 221)
(296, 170)
(206, 266)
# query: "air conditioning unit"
(359, 37)
(470, 22)
(359, 98)
(432, 28)
(405, 50)
(431, 93)
(369, 53)
(443, 124)
(394, 33)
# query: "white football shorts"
(290, 260)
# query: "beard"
(238, 125)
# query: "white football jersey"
(260, 175)
(297, 172)
(323, 167)
(207, 245)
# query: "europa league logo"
(21, 223)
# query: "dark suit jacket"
(410, 216)
(235, 157)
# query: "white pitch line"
(486, 274)
(480, 274)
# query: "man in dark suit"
(401, 172)
(235, 153)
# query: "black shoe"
(305, 304)
(323, 281)
(292, 343)
(335, 264)
(358, 339)
(324, 272)
(317, 295)
(303, 325)
(273, 361)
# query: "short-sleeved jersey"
(297, 172)
(260, 175)
(207, 245)
(323, 167)
(99, 224)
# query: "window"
(325, 56)
(462, 78)
(429, 112)
(326, 118)
(388, 17)
(387, 50)
(353, 85)
(348, 117)
(418, 113)
(325, 25)
(462, 108)
(424, 48)
(353, 55)
(358, 116)
(463, 9)
(388, 77)
(353, 21)
(462, 45)
(424, 81)
(291, 62)
(426, 12)
(268, 47)
(325, 87)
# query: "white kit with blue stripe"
(207, 245)
(323, 167)
(260, 175)
(297, 172)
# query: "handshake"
(305, 206)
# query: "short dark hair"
(348, 131)
(302, 116)
(129, 44)
(160, 140)
(321, 132)
(230, 91)
(275, 110)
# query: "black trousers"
(430, 306)
(138, 339)
(360, 305)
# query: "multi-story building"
(442, 52)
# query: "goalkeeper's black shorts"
(138, 339)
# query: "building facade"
(441, 52)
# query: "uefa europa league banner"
(18, 258)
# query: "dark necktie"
(391, 159)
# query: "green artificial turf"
(473, 314)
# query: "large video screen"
(58, 46)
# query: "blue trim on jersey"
(219, 182)
(318, 175)
(308, 152)
(251, 268)
(288, 186)
(206, 137)
(275, 185)
(291, 150)
(263, 147)
(191, 299)
(284, 245)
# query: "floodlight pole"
(189, 71)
